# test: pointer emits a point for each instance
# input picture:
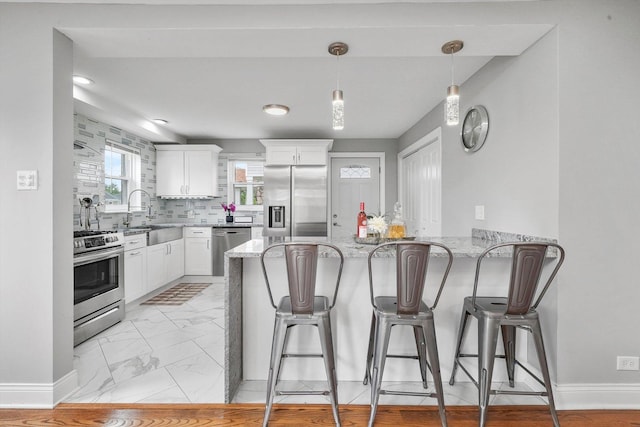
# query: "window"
(246, 183)
(121, 176)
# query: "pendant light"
(337, 49)
(452, 103)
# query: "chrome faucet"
(126, 221)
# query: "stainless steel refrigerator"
(295, 201)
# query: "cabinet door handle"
(134, 242)
(208, 243)
(134, 253)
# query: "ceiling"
(211, 82)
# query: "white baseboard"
(40, 396)
(597, 396)
(590, 396)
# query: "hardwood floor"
(156, 415)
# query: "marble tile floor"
(175, 354)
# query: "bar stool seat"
(505, 314)
(405, 308)
(302, 307)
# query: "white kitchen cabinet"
(135, 267)
(165, 262)
(156, 266)
(187, 172)
(175, 260)
(198, 260)
(296, 151)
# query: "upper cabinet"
(297, 151)
(187, 172)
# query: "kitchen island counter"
(249, 315)
(461, 247)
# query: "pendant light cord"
(338, 71)
(452, 69)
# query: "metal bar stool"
(517, 310)
(405, 308)
(302, 307)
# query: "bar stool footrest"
(520, 393)
(403, 356)
(302, 393)
(407, 393)
(301, 355)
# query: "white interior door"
(353, 180)
(420, 182)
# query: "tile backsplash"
(90, 138)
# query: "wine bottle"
(362, 222)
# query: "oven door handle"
(98, 255)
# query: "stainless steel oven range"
(98, 282)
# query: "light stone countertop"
(141, 229)
(461, 247)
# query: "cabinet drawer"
(197, 231)
(136, 241)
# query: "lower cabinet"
(135, 267)
(197, 251)
(165, 262)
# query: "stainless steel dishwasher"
(223, 239)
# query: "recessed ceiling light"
(81, 80)
(275, 109)
(160, 121)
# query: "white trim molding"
(586, 396)
(597, 396)
(39, 395)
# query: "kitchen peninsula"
(249, 315)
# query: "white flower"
(377, 224)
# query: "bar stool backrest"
(302, 262)
(412, 262)
(526, 269)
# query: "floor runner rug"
(177, 295)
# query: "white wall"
(36, 304)
(599, 63)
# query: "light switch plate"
(27, 180)
(480, 212)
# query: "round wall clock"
(474, 128)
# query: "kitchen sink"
(151, 227)
(157, 234)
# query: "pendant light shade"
(452, 103)
(452, 106)
(338, 110)
(337, 104)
